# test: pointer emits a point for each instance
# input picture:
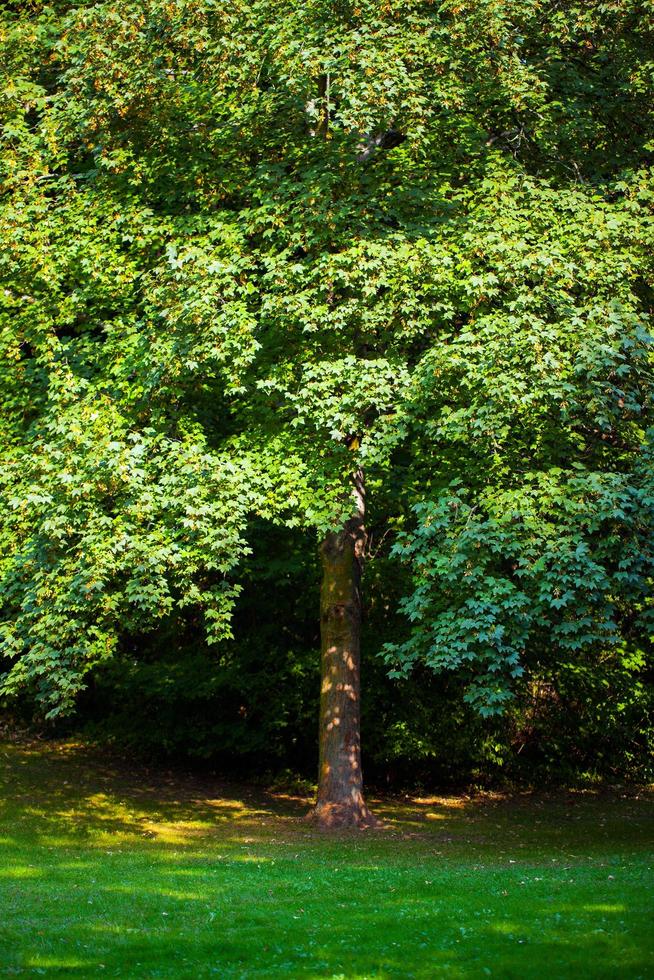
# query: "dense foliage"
(250, 247)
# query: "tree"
(340, 778)
(257, 251)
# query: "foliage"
(252, 247)
(166, 694)
(247, 704)
(553, 568)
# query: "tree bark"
(340, 800)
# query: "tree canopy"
(252, 248)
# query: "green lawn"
(110, 872)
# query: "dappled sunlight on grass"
(603, 908)
(56, 963)
(181, 896)
(58, 809)
(18, 872)
(118, 872)
(505, 927)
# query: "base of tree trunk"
(343, 816)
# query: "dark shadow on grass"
(73, 792)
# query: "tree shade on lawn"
(253, 249)
(109, 869)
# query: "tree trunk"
(340, 783)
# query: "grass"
(106, 872)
